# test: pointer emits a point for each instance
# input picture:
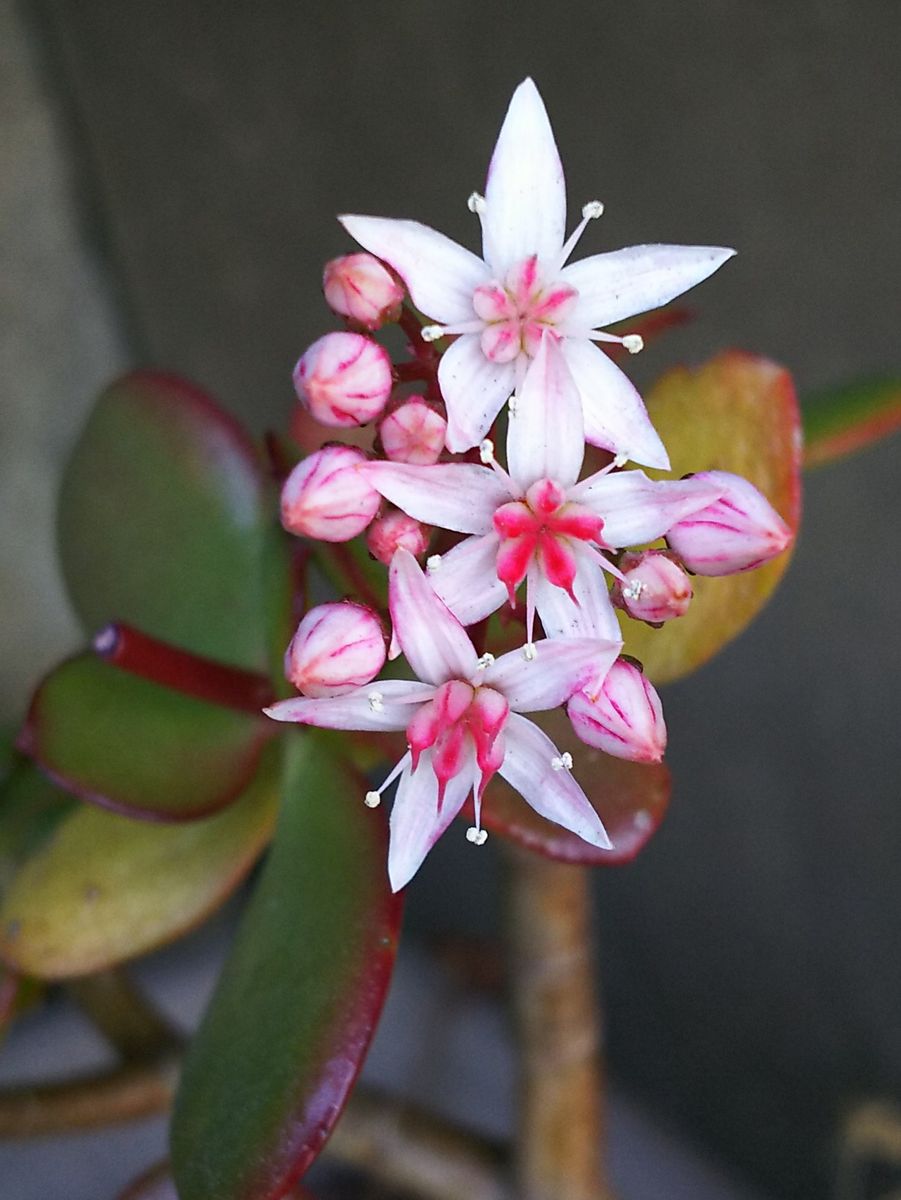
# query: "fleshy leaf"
(272, 1065)
(839, 421)
(630, 798)
(162, 515)
(737, 413)
(31, 807)
(106, 888)
(156, 1184)
(136, 746)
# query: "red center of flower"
(460, 717)
(542, 528)
(519, 310)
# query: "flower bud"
(344, 379)
(393, 530)
(359, 287)
(327, 497)
(413, 433)
(739, 531)
(336, 648)
(624, 719)
(653, 588)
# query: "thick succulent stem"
(560, 1137)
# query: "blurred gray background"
(169, 175)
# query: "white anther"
(477, 836)
(486, 451)
(633, 342)
(476, 203)
(529, 652)
(433, 563)
(513, 406)
(431, 333)
(485, 661)
(372, 800)
(620, 460)
(375, 701)
(563, 763)
(592, 210)
(633, 590)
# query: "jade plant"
(474, 558)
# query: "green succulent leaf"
(105, 888)
(31, 807)
(272, 1065)
(162, 517)
(135, 746)
(736, 413)
(842, 420)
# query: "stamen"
(620, 460)
(563, 763)
(476, 203)
(372, 799)
(478, 837)
(431, 333)
(485, 661)
(590, 212)
(634, 343)
(513, 406)
(486, 451)
(529, 652)
(433, 563)
(376, 701)
(605, 563)
(633, 590)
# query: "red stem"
(161, 662)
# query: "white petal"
(370, 707)
(621, 283)
(466, 579)
(553, 794)
(416, 825)
(592, 617)
(636, 509)
(546, 437)
(431, 637)
(614, 413)
(440, 275)
(525, 191)
(458, 496)
(474, 389)
(547, 678)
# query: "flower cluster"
(511, 350)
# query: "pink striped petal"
(546, 436)
(440, 275)
(474, 389)
(458, 496)
(431, 637)
(636, 509)
(621, 283)
(614, 413)
(546, 676)
(383, 705)
(466, 579)
(525, 192)
(528, 766)
(416, 824)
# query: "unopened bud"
(337, 647)
(739, 531)
(653, 587)
(359, 287)
(413, 433)
(624, 719)
(327, 497)
(393, 531)
(344, 379)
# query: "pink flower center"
(519, 310)
(542, 528)
(459, 718)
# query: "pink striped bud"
(344, 379)
(739, 531)
(653, 588)
(337, 647)
(624, 719)
(413, 433)
(359, 287)
(326, 497)
(394, 530)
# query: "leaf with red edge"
(156, 1184)
(736, 413)
(136, 746)
(842, 420)
(273, 1063)
(162, 517)
(630, 798)
(106, 888)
